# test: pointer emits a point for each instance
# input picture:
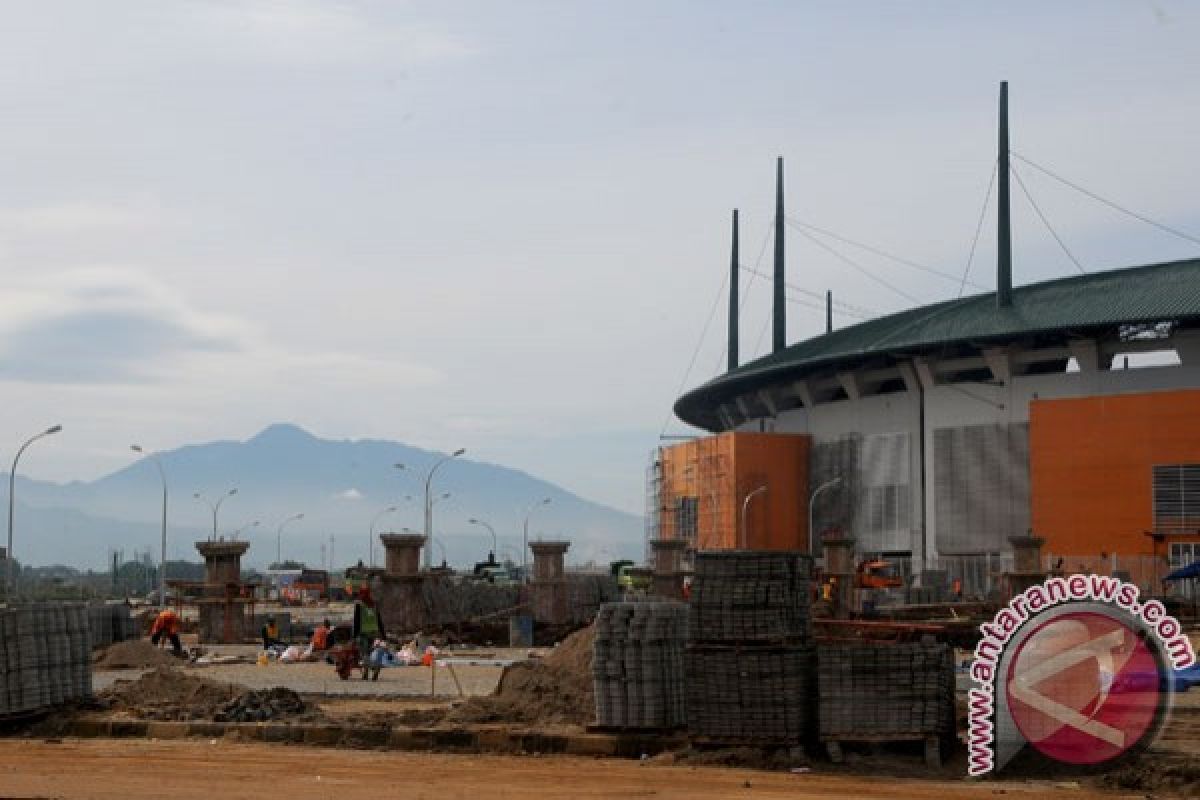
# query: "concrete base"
(471, 740)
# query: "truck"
(630, 577)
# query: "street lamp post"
(745, 507)
(279, 539)
(429, 502)
(525, 537)
(12, 487)
(244, 527)
(371, 535)
(829, 484)
(492, 530)
(215, 506)
(162, 564)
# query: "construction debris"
(262, 706)
(171, 694)
(168, 694)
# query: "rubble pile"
(262, 706)
(168, 694)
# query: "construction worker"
(270, 634)
(320, 637)
(368, 626)
(167, 624)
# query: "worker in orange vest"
(320, 637)
(167, 624)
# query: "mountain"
(339, 486)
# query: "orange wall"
(778, 519)
(721, 470)
(1090, 466)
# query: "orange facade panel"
(704, 485)
(1092, 461)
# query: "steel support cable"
(855, 265)
(699, 344)
(838, 305)
(979, 227)
(847, 260)
(1046, 222)
(878, 251)
(1107, 202)
(745, 295)
(800, 302)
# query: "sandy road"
(232, 771)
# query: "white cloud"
(103, 325)
(350, 494)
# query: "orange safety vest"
(166, 622)
(320, 638)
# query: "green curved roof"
(1133, 295)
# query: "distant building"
(942, 431)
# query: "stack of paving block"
(750, 657)
(637, 665)
(874, 690)
(109, 623)
(45, 657)
(745, 596)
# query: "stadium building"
(933, 436)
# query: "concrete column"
(222, 560)
(222, 607)
(402, 552)
(1027, 553)
(668, 567)
(549, 582)
(839, 566)
(399, 594)
(1027, 564)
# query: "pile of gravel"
(262, 706)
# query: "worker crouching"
(167, 625)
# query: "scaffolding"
(690, 495)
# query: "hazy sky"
(502, 225)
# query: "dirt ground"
(206, 769)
